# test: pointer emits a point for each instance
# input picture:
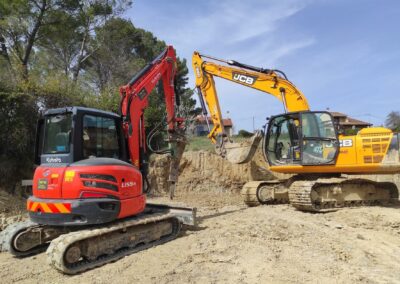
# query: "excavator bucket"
(243, 152)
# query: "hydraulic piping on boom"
(271, 81)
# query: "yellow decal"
(61, 208)
(34, 206)
(69, 176)
(45, 207)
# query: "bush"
(244, 133)
(18, 116)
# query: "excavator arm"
(273, 82)
(134, 101)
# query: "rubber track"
(58, 247)
(7, 239)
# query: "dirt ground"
(235, 244)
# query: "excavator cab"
(301, 138)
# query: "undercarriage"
(73, 249)
(320, 194)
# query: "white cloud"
(222, 25)
(247, 31)
(233, 21)
(328, 52)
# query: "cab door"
(301, 138)
(319, 141)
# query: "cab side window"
(100, 137)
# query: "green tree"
(244, 133)
(116, 58)
(20, 22)
(188, 103)
(393, 120)
(55, 53)
(61, 26)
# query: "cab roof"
(76, 109)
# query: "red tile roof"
(356, 122)
(349, 120)
(337, 114)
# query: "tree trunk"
(3, 49)
(32, 38)
(81, 56)
(4, 53)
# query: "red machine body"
(92, 162)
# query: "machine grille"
(98, 176)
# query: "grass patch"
(200, 143)
(203, 143)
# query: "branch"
(15, 50)
(80, 57)
(89, 54)
(32, 35)
(36, 4)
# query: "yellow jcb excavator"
(301, 142)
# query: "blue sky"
(344, 55)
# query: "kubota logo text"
(53, 160)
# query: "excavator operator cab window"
(283, 145)
(304, 138)
(100, 137)
(57, 133)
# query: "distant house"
(200, 126)
(346, 123)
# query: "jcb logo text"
(249, 80)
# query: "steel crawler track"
(327, 195)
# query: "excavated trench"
(205, 171)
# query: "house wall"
(202, 130)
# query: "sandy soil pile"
(202, 170)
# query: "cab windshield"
(57, 133)
(303, 138)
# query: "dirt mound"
(11, 204)
(203, 170)
(12, 209)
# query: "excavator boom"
(273, 82)
(134, 100)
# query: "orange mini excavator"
(89, 200)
